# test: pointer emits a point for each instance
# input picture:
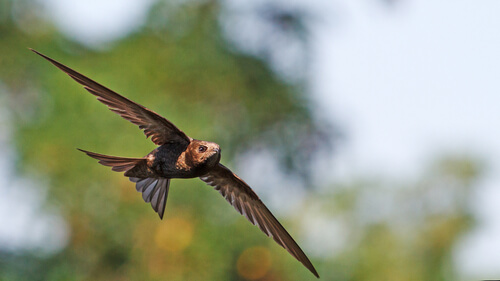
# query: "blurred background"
(369, 128)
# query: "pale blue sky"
(416, 81)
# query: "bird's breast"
(173, 161)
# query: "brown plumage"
(179, 156)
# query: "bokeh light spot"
(174, 235)
(254, 263)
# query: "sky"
(414, 81)
(404, 82)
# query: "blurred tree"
(403, 231)
(181, 65)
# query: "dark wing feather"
(155, 126)
(247, 203)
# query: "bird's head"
(204, 153)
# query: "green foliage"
(180, 66)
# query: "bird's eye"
(202, 148)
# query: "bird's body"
(174, 160)
(179, 156)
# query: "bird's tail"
(118, 164)
(154, 189)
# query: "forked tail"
(154, 189)
(118, 164)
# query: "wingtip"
(311, 268)
(36, 52)
(86, 152)
(46, 57)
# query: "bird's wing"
(245, 201)
(155, 126)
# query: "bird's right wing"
(155, 126)
(247, 203)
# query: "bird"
(180, 156)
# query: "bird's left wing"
(245, 201)
(155, 126)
